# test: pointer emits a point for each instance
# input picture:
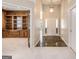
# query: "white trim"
(64, 41)
(72, 50)
(51, 35)
(36, 43)
(68, 45)
(69, 11)
(73, 6)
(31, 30)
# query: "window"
(17, 23)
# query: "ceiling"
(17, 0)
(17, 4)
(54, 2)
(24, 4)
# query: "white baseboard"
(36, 43)
(68, 45)
(64, 41)
(51, 35)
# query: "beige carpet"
(41, 53)
(18, 49)
(14, 43)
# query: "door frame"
(70, 25)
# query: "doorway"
(72, 32)
(16, 28)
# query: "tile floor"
(52, 41)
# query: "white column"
(41, 28)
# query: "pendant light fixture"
(51, 6)
(51, 10)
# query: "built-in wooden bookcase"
(11, 20)
(8, 22)
(3, 20)
(17, 22)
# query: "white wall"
(66, 29)
(36, 23)
(72, 40)
(64, 20)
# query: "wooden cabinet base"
(15, 34)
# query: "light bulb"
(51, 10)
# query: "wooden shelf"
(11, 24)
(18, 15)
